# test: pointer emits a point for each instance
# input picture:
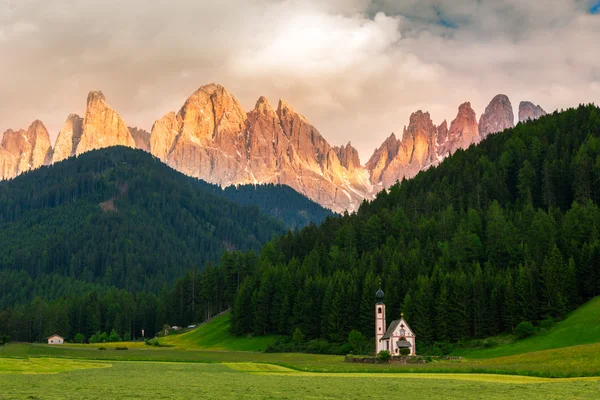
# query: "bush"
(547, 324)
(384, 356)
(79, 338)
(4, 339)
(298, 336)
(127, 337)
(114, 336)
(357, 342)
(406, 352)
(524, 329)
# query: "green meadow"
(208, 362)
(143, 380)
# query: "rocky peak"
(95, 97)
(442, 133)
(306, 139)
(348, 156)
(212, 114)
(141, 138)
(41, 148)
(383, 155)
(163, 135)
(398, 159)
(463, 131)
(68, 138)
(24, 150)
(497, 117)
(419, 139)
(530, 112)
(102, 126)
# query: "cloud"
(355, 68)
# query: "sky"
(356, 69)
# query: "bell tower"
(379, 320)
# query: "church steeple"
(380, 323)
(380, 295)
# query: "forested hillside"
(497, 234)
(503, 232)
(99, 240)
(279, 201)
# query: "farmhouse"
(55, 339)
(395, 337)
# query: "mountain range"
(214, 139)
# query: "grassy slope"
(581, 327)
(216, 335)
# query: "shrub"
(79, 338)
(114, 336)
(547, 324)
(357, 342)
(96, 338)
(298, 336)
(127, 337)
(406, 352)
(4, 339)
(524, 329)
(384, 356)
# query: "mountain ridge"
(211, 137)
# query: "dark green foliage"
(79, 338)
(4, 339)
(76, 233)
(279, 201)
(120, 217)
(384, 356)
(404, 352)
(503, 232)
(525, 329)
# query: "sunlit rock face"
(530, 112)
(102, 126)
(463, 132)
(497, 117)
(399, 159)
(24, 150)
(214, 139)
(68, 138)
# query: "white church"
(397, 336)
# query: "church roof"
(391, 329)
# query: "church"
(397, 336)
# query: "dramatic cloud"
(355, 68)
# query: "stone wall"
(398, 360)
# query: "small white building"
(55, 339)
(395, 337)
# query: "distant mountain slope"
(279, 201)
(120, 217)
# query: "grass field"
(581, 327)
(216, 335)
(143, 380)
(563, 363)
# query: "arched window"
(379, 310)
